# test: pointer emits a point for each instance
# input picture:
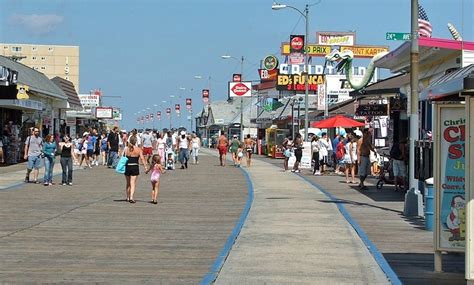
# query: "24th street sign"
(398, 36)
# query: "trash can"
(429, 204)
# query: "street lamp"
(241, 98)
(276, 6)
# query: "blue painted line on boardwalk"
(381, 261)
(216, 267)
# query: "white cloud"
(37, 24)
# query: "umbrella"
(338, 121)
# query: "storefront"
(31, 100)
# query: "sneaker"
(70, 183)
(27, 179)
(50, 183)
(46, 184)
(297, 171)
(64, 184)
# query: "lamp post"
(241, 98)
(277, 6)
(172, 108)
(207, 107)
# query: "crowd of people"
(160, 151)
(349, 154)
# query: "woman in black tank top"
(66, 160)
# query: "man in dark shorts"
(222, 144)
(364, 161)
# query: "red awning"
(338, 121)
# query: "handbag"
(122, 163)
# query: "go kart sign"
(240, 89)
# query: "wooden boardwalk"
(88, 233)
(403, 241)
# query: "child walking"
(157, 170)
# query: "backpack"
(340, 151)
(395, 152)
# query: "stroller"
(386, 172)
(170, 159)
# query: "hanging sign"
(168, 111)
(270, 62)
(236, 77)
(22, 92)
(240, 89)
(151, 117)
(335, 38)
(296, 44)
(205, 95)
(189, 104)
(449, 178)
(158, 115)
(177, 108)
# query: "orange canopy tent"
(338, 121)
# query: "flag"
(424, 25)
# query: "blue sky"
(145, 50)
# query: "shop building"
(32, 100)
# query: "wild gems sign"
(296, 82)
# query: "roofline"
(38, 45)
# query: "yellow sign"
(22, 95)
(323, 50)
(296, 82)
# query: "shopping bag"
(120, 168)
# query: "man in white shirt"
(147, 140)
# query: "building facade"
(52, 60)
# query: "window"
(16, 49)
(43, 58)
(34, 48)
(43, 68)
(66, 77)
(33, 58)
(50, 49)
(5, 47)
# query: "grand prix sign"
(240, 89)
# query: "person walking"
(399, 156)
(315, 154)
(234, 146)
(183, 145)
(132, 170)
(85, 150)
(196, 145)
(160, 146)
(113, 140)
(249, 144)
(335, 160)
(76, 153)
(286, 145)
(157, 170)
(298, 149)
(323, 152)
(104, 149)
(49, 152)
(147, 141)
(353, 156)
(364, 161)
(222, 144)
(33, 150)
(66, 148)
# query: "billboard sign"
(297, 44)
(335, 38)
(104, 113)
(449, 178)
(89, 101)
(270, 62)
(267, 75)
(240, 89)
(322, 50)
(296, 82)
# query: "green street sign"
(398, 36)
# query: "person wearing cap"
(84, 156)
(66, 160)
(183, 146)
(33, 151)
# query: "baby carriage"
(170, 159)
(386, 172)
